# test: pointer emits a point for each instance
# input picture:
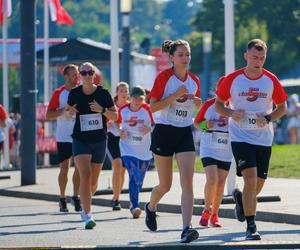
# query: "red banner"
(162, 59)
(46, 144)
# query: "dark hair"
(68, 67)
(120, 84)
(170, 46)
(258, 44)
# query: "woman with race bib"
(136, 123)
(93, 105)
(113, 148)
(216, 156)
(175, 94)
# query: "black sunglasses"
(89, 72)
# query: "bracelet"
(268, 118)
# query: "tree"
(278, 23)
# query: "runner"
(175, 94)
(136, 123)
(251, 92)
(216, 157)
(93, 105)
(113, 151)
(64, 128)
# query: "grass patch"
(285, 162)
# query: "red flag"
(5, 9)
(58, 13)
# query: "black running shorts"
(167, 140)
(64, 151)
(248, 155)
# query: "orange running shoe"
(204, 218)
(214, 221)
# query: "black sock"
(250, 221)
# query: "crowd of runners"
(134, 128)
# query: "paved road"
(31, 223)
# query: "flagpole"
(46, 73)
(114, 50)
(5, 90)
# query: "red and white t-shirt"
(135, 144)
(114, 125)
(64, 127)
(215, 143)
(180, 112)
(255, 96)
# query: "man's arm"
(279, 111)
(53, 114)
(3, 123)
(224, 110)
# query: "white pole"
(46, 73)
(229, 67)
(5, 91)
(114, 42)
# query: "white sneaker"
(89, 221)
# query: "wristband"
(103, 110)
(268, 118)
(203, 125)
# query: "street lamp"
(207, 41)
(126, 6)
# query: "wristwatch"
(103, 110)
(268, 118)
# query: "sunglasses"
(89, 72)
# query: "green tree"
(278, 23)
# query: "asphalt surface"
(28, 224)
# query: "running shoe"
(75, 201)
(214, 221)
(189, 234)
(116, 205)
(136, 212)
(252, 234)
(63, 205)
(150, 218)
(238, 210)
(204, 218)
(89, 221)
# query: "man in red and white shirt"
(64, 129)
(251, 92)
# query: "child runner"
(136, 123)
(216, 156)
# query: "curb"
(223, 212)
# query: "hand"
(210, 124)
(95, 107)
(237, 115)
(145, 129)
(122, 134)
(197, 101)
(261, 120)
(180, 92)
(70, 111)
(109, 124)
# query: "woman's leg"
(117, 178)
(96, 168)
(219, 190)
(83, 164)
(211, 173)
(165, 174)
(186, 163)
(293, 131)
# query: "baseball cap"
(137, 91)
